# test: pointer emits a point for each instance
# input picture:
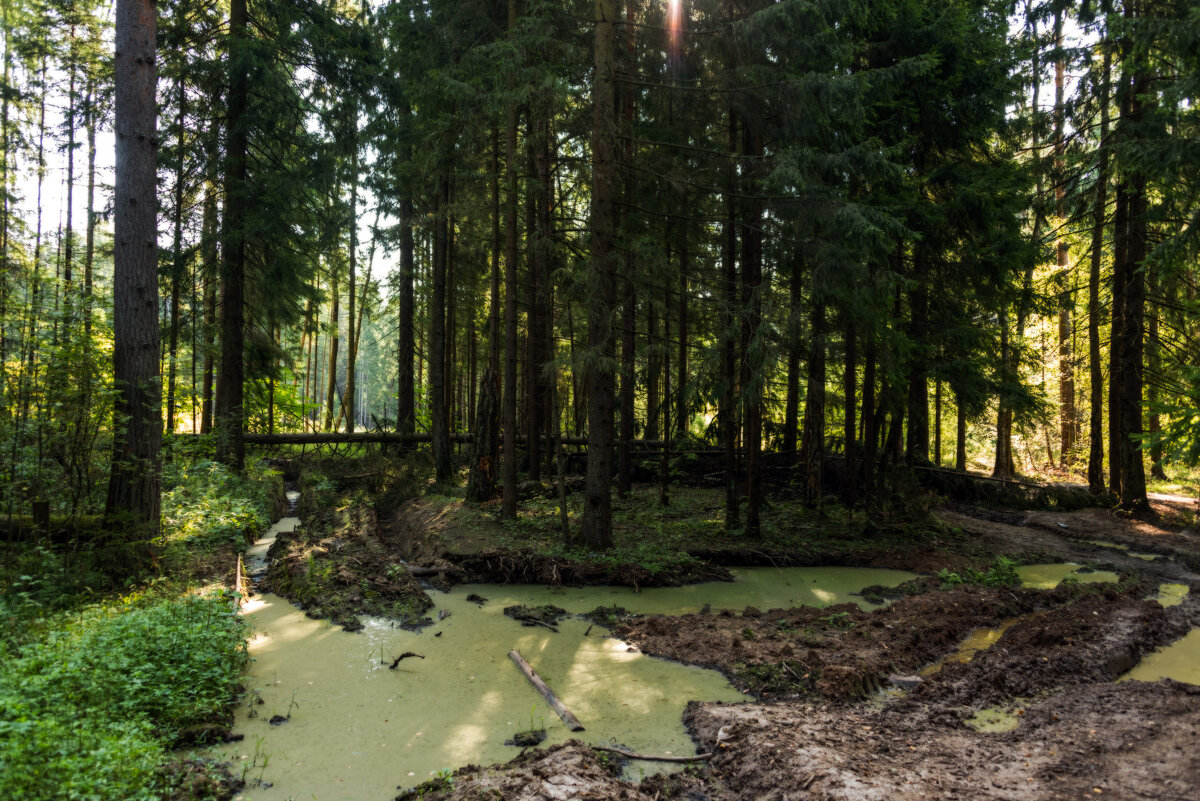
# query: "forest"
(611, 293)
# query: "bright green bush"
(205, 504)
(87, 706)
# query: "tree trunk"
(508, 508)
(481, 480)
(176, 260)
(729, 369)
(960, 434)
(812, 444)
(230, 412)
(870, 432)
(406, 396)
(596, 526)
(1096, 372)
(754, 361)
(791, 414)
(352, 343)
(331, 386)
(1066, 358)
(133, 501)
(849, 401)
(437, 335)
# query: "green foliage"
(1002, 573)
(88, 704)
(207, 504)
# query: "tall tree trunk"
(1095, 368)
(1116, 442)
(209, 258)
(508, 413)
(406, 406)
(754, 362)
(1066, 358)
(812, 443)
(1002, 468)
(937, 422)
(849, 402)
(729, 405)
(916, 451)
(791, 425)
(331, 388)
(352, 340)
(596, 526)
(628, 299)
(437, 334)
(960, 434)
(870, 433)
(230, 413)
(176, 258)
(89, 254)
(1132, 292)
(681, 366)
(133, 502)
(494, 285)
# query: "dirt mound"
(1090, 742)
(838, 652)
(568, 771)
(335, 566)
(1096, 638)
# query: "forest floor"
(853, 704)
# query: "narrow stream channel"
(349, 727)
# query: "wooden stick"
(631, 755)
(405, 655)
(572, 722)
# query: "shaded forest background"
(863, 234)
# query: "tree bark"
(1096, 372)
(230, 413)
(849, 402)
(406, 422)
(437, 357)
(596, 525)
(508, 509)
(133, 490)
(812, 443)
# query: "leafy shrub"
(208, 505)
(87, 705)
(1002, 573)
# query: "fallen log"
(645, 757)
(567, 717)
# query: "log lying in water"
(567, 717)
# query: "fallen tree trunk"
(567, 717)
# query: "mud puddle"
(1179, 661)
(1049, 576)
(348, 726)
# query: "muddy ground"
(821, 729)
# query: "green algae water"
(354, 729)
(1047, 577)
(1179, 661)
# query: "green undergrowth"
(1001, 573)
(90, 700)
(210, 513)
(670, 537)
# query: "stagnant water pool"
(359, 730)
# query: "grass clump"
(90, 701)
(1002, 573)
